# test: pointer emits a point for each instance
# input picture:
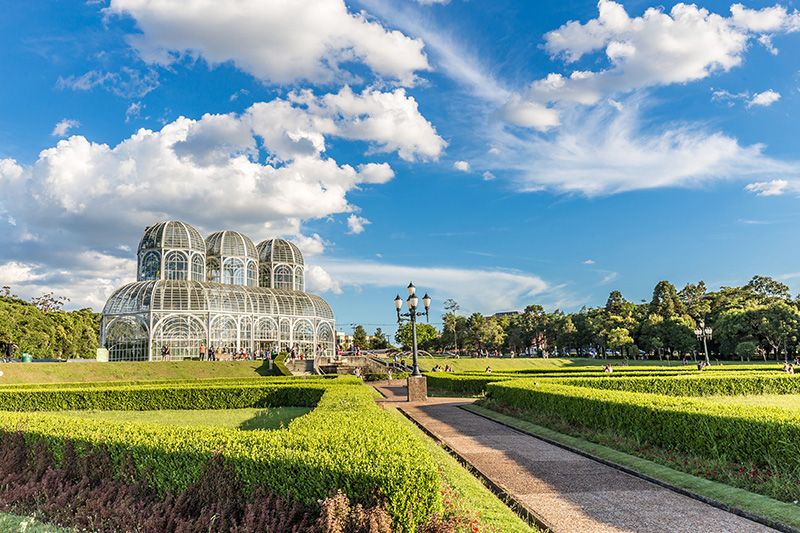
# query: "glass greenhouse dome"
(172, 304)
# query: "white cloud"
(262, 172)
(14, 273)
(488, 176)
(770, 188)
(487, 291)
(310, 245)
(279, 42)
(134, 111)
(658, 48)
(128, 83)
(356, 224)
(588, 262)
(64, 126)
(463, 166)
(603, 151)
(318, 280)
(766, 98)
(429, 2)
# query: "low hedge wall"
(465, 383)
(727, 384)
(704, 427)
(347, 442)
(187, 395)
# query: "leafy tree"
(665, 302)
(379, 341)
(426, 335)
(491, 335)
(693, 298)
(359, 337)
(747, 350)
(618, 338)
(767, 289)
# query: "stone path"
(565, 491)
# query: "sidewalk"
(568, 492)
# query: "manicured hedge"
(347, 442)
(380, 376)
(727, 384)
(164, 396)
(465, 383)
(704, 427)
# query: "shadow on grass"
(273, 418)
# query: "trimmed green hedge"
(182, 395)
(704, 427)
(726, 384)
(379, 376)
(347, 442)
(279, 367)
(465, 383)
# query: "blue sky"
(498, 153)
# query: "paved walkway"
(566, 491)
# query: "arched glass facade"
(221, 292)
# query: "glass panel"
(151, 267)
(213, 270)
(283, 277)
(198, 268)
(126, 339)
(181, 334)
(176, 266)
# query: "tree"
(359, 337)
(426, 334)
(491, 335)
(747, 349)
(767, 289)
(693, 298)
(618, 338)
(379, 341)
(450, 320)
(665, 302)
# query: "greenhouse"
(222, 292)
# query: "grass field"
(93, 371)
(244, 419)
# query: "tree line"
(757, 320)
(43, 330)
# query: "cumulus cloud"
(463, 166)
(262, 172)
(658, 48)
(588, 262)
(486, 291)
(318, 280)
(310, 245)
(64, 126)
(766, 98)
(279, 42)
(356, 224)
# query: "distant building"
(505, 313)
(222, 291)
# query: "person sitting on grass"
(608, 369)
(488, 370)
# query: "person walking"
(202, 351)
(10, 349)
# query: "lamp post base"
(417, 389)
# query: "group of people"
(788, 367)
(224, 352)
(438, 368)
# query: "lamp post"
(412, 315)
(704, 332)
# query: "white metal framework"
(173, 304)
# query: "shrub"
(739, 433)
(346, 442)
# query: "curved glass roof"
(172, 234)
(279, 251)
(173, 295)
(230, 244)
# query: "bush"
(727, 384)
(346, 442)
(738, 433)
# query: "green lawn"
(244, 419)
(128, 371)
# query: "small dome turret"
(231, 258)
(281, 265)
(171, 250)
